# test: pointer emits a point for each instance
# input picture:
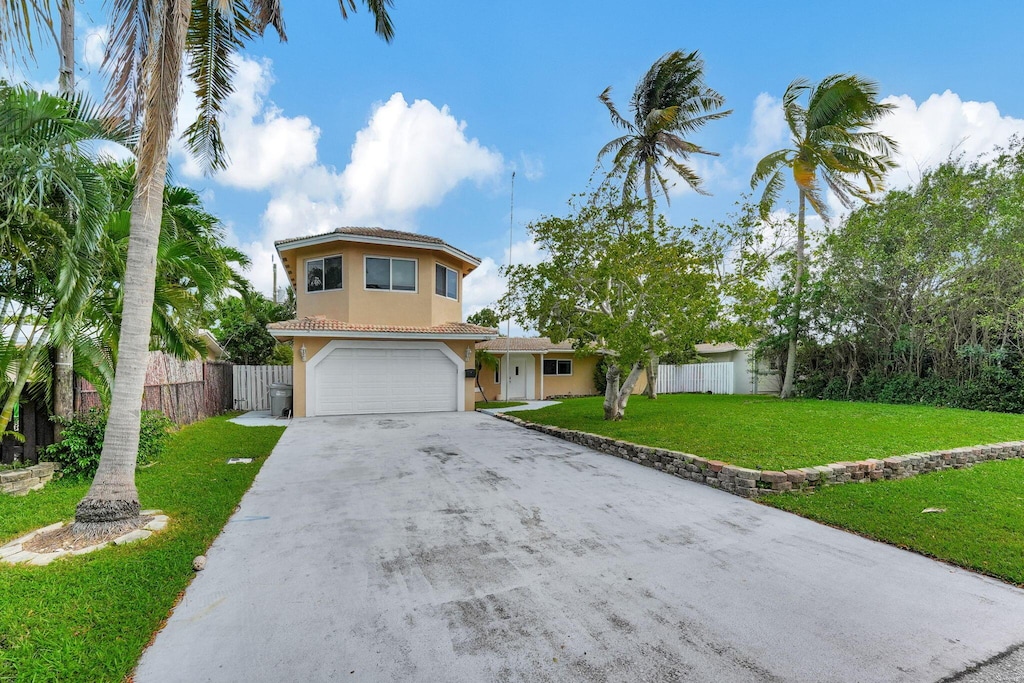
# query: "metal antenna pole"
(508, 323)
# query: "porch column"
(541, 369)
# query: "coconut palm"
(148, 44)
(671, 101)
(833, 147)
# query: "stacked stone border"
(20, 481)
(751, 483)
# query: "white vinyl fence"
(252, 384)
(696, 378)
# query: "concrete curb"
(750, 483)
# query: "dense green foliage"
(485, 317)
(79, 450)
(240, 325)
(620, 279)
(764, 432)
(919, 298)
(982, 527)
(87, 618)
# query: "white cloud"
(531, 166)
(941, 126)
(408, 157)
(768, 129)
(94, 45)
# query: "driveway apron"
(457, 547)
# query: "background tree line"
(919, 297)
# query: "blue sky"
(335, 127)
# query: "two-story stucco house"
(379, 323)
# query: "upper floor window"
(323, 273)
(557, 367)
(396, 274)
(446, 282)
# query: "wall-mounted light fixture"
(469, 352)
(302, 353)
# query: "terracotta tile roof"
(322, 324)
(533, 344)
(716, 348)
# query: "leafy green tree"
(833, 144)
(485, 317)
(671, 101)
(240, 325)
(615, 282)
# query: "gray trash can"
(280, 400)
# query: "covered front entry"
(364, 377)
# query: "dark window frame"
(323, 273)
(391, 274)
(560, 363)
(442, 270)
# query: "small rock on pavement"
(199, 564)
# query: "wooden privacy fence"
(252, 384)
(702, 378)
(186, 391)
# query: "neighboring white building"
(748, 378)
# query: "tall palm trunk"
(63, 361)
(112, 501)
(798, 288)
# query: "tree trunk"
(616, 396)
(652, 377)
(112, 502)
(798, 287)
(63, 366)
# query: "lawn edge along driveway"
(88, 618)
(983, 533)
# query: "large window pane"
(315, 275)
(403, 275)
(550, 367)
(453, 284)
(378, 273)
(332, 272)
(439, 279)
(565, 367)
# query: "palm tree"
(145, 56)
(146, 51)
(53, 202)
(832, 143)
(670, 101)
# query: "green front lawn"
(981, 529)
(499, 404)
(763, 432)
(88, 618)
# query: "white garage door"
(385, 380)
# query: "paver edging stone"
(20, 481)
(14, 553)
(751, 483)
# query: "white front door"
(516, 376)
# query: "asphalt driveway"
(457, 547)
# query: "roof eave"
(349, 334)
(289, 245)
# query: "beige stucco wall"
(579, 383)
(354, 303)
(315, 344)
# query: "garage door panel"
(385, 380)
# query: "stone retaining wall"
(752, 483)
(20, 481)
